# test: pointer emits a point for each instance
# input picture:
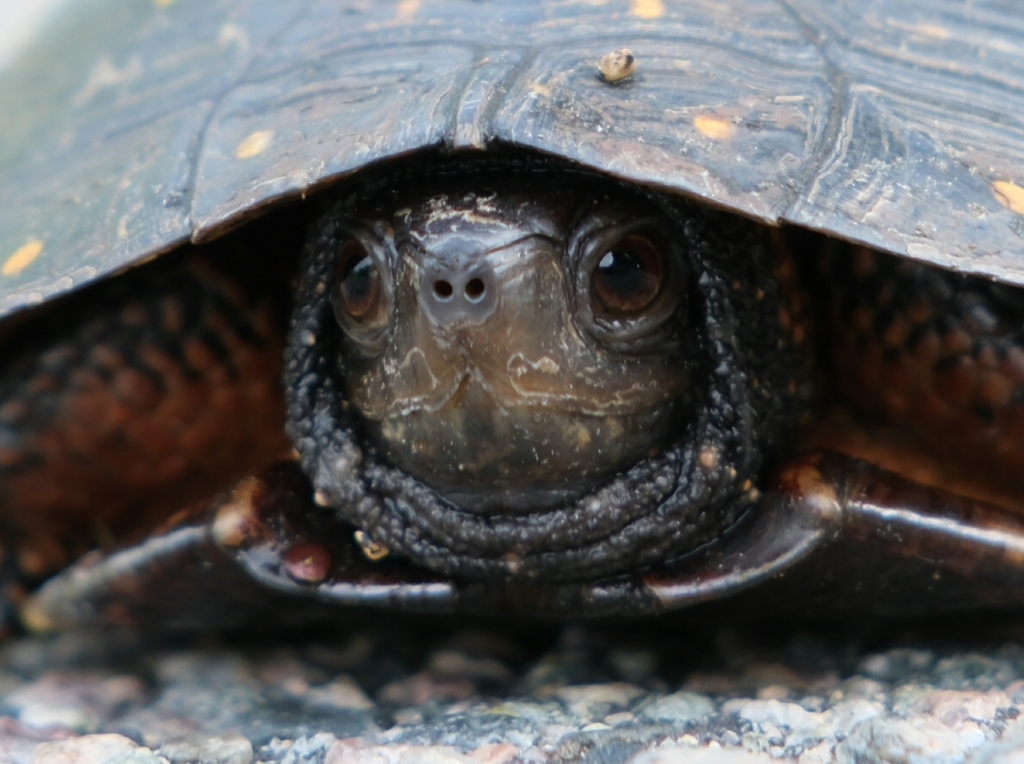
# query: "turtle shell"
(132, 127)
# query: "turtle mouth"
(484, 482)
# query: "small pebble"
(597, 700)
(896, 663)
(730, 738)
(453, 663)
(360, 752)
(634, 666)
(80, 702)
(774, 692)
(408, 717)
(93, 749)
(687, 755)
(618, 65)
(679, 708)
(903, 740)
(623, 717)
(203, 749)
(341, 693)
(422, 688)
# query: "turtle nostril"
(443, 290)
(475, 290)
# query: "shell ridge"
(803, 181)
(931, 133)
(202, 133)
(479, 132)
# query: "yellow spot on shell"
(408, 8)
(1010, 195)
(22, 258)
(254, 144)
(933, 30)
(715, 127)
(647, 9)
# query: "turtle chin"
(487, 457)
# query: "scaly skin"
(123, 404)
(933, 362)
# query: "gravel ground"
(399, 690)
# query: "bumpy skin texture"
(933, 353)
(122, 404)
(748, 389)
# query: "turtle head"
(492, 371)
(512, 345)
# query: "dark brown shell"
(132, 127)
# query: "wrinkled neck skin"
(499, 414)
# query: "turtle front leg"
(260, 555)
(129, 399)
(839, 537)
(835, 537)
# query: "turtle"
(544, 309)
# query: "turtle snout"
(458, 295)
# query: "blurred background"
(19, 19)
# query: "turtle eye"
(361, 297)
(627, 277)
(358, 282)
